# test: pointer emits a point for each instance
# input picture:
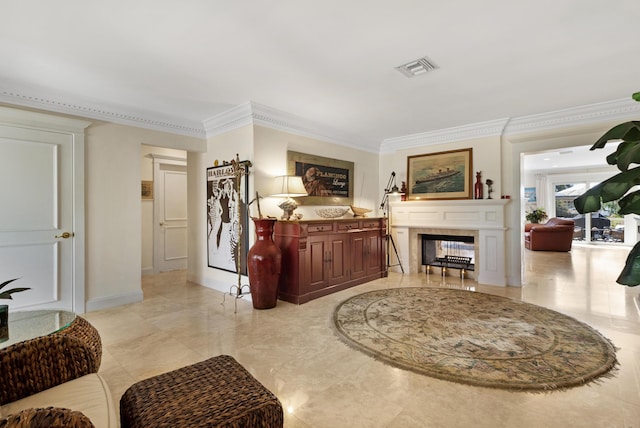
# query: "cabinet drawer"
(370, 224)
(348, 226)
(320, 227)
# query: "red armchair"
(554, 235)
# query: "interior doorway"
(164, 212)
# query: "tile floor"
(322, 383)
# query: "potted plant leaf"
(4, 309)
(620, 187)
(536, 215)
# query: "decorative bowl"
(331, 212)
(359, 212)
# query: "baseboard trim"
(112, 301)
(214, 284)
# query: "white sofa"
(60, 371)
(88, 394)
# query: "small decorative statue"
(490, 188)
(478, 189)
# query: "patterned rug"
(474, 338)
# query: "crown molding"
(447, 135)
(101, 112)
(234, 118)
(593, 114)
(252, 113)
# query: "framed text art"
(442, 175)
(327, 181)
(227, 218)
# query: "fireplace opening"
(448, 251)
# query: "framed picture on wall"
(328, 181)
(227, 216)
(442, 175)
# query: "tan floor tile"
(321, 382)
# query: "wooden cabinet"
(320, 257)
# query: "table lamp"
(289, 186)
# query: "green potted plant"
(536, 215)
(620, 187)
(4, 309)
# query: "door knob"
(65, 235)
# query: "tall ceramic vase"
(264, 261)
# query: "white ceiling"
(580, 157)
(329, 61)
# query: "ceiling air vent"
(417, 67)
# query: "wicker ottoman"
(217, 392)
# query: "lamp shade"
(289, 186)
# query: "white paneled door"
(38, 223)
(170, 214)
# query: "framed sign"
(227, 218)
(442, 175)
(328, 181)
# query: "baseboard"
(112, 301)
(222, 286)
(147, 271)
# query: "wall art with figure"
(328, 181)
(227, 219)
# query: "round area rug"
(474, 338)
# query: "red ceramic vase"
(264, 261)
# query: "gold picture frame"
(441, 175)
(146, 191)
(328, 181)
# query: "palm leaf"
(628, 131)
(628, 152)
(609, 190)
(7, 293)
(630, 274)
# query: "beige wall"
(271, 148)
(486, 158)
(267, 150)
(113, 213)
(146, 223)
(113, 209)
(221, 148)
(513, 148)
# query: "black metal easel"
(391, 189)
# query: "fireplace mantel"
(482, 218)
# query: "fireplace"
(448, 252)
(483, 220)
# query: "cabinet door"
(339, 258)
(375, 252)
(319, 261)
(359, 251)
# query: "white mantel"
(482, 218)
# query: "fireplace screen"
(448, 251)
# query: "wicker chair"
(46, 417)
(34, 365)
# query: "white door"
(38, 213)
(170, 215)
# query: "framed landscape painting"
(442, 175)
(227, 219)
